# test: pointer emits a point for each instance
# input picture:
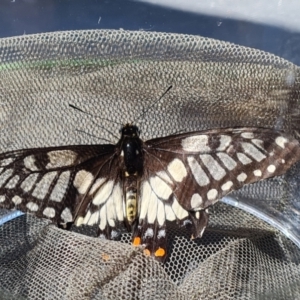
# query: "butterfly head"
(129, 130)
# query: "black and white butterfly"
(141, 185)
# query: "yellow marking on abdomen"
(131, 206)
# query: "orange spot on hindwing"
(160, 252)
(136, 241)
(147, 252)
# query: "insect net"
(119, 75)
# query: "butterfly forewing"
(50, 182)
(202, 167)
(175, 178)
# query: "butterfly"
(139, 185)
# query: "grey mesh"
(119, 75)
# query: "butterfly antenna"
(89, 114)
(95, 116)
(151, 106)
(92, 135)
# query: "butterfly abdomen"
(131, 200)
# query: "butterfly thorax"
(132, 169)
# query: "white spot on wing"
(258, 143)
(96, 185)
(146, 192)
(61, 158)
(32, 206)
(2, 198)
(82, 181)
(148, 233)
(241, 177)
(13, 182)
(225, 141)
(271, 168)
(212, 194)
(196, 201)
(195, 143)
(257, 173)
(111, 213)
(6, 161)
(29, 163)
(253, 151)
(280, 141)
(5, 175)
(103, 193)
(79, 221)
(28, 182)
(103, 220)
(161, 217)
(198, 173)
(247, 135)
(49, 212)
(87, 217)
(111, 222)
(228, 162)
(161, 188)
(152, 209)
(60, 187)
(94, 218)
(42, 187)
(170, 215)
(216, 171)
(161, 233)
(66, 215)
(17, 200)
(163, 175)
(177, 169)
(179, 211)
(118, 202)
(245, 160)
(186, 222)
(114, 234)
(226, 186)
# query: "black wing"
(186, 173)
(64, 184)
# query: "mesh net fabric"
(231, 261)
(117, 75)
